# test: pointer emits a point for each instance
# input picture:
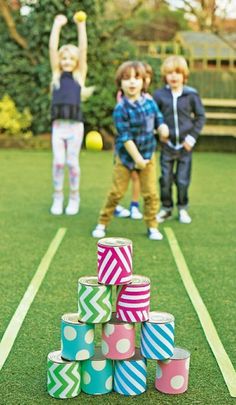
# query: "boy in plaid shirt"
(135, 117)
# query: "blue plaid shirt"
(136, 121)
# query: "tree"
(208, 14)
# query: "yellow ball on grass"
(93, 141)
(80, 16)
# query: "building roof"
(205, 45)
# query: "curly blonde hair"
(175, 63)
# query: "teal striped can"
(97, 374)
(157, 336)
(94, 301)
(63, 377)
(130, 375)
(77, 338)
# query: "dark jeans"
(175, 168)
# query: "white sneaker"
(73, 206)
(184, 217)
(163, 215)
(154, 234)
(135, 213)
(121, 212)
(99, 231)
(57, 206)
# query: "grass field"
(27, 228)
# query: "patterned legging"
(67, 137)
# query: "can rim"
(72, 318)
(89, 280)
(160, 317)
(114, 242)
(55, 357)
(137, 279)
(180, 353)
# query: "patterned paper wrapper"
(114, 260)
(97, 374)
(157, 336)
(172, 375)
(133, 300)
(118, 339)
(130, 376)
(77, 339)
(94, 301)
(63, 377)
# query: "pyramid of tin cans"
(118, 364)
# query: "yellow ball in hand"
(93, 141)
(80, 16)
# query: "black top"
(66, 99)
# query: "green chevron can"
(63, 377)
(97, 374)
(94, 301)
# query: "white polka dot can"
(77, 339)
(114, 260)
(118, 339)
(157, 336)
(97, 374)
(63, 377)
(172, 374)
(130, 376)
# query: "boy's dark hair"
(123, 71)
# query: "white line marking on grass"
(209, 329)
(22, 309)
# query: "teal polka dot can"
(77, 338)
(97, 374)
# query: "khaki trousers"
(148, 187)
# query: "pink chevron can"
(118, 339)
(133, 300)
(172, 374)
(114, 261)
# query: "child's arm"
(198, 122)
(140, 162)
(83, 46)
(58, 23)
(162, 128)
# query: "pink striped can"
(172, 374)
(118, 339)
(114, 261)
(133, 300)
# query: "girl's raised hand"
(61, 20)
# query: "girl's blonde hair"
(175, 63)
(124, 70)
(74, 52)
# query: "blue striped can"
(130, 376)
(157, 336)
(97, 374)
(77, 338)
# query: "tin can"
(157, 336)
(97, 374)
(94, 301)
(63, 377)
(77, 338)
(172, 375)
(130, 376)
(133, 300)
(114, 261)
(118, 339)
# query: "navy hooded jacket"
(184, 118)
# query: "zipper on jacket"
(176, 119)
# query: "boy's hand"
(164, 139)
(163, 131)
(187, 147)
(141, 164)
(60, 20)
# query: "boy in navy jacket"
(184, 114)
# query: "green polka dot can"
(77, 338)
(97, 374)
